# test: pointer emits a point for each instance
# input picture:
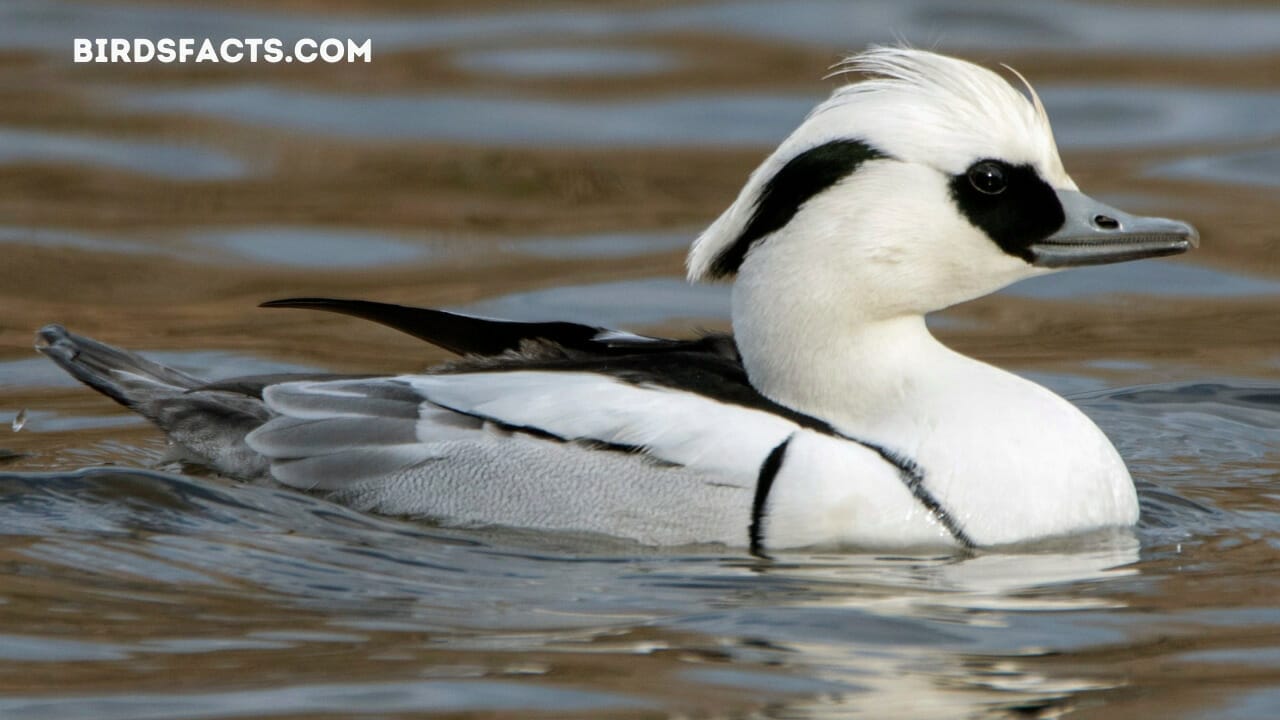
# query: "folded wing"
(564, 450)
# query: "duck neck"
(876, 378)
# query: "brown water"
(553, 161)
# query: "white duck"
(832, 417)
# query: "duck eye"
(988, 177)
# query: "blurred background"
(553, 160)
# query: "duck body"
(831, 417)
(659, 441)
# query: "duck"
(830, 416)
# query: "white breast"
(1010, 460)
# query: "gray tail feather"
(206, 426)
(129, 379)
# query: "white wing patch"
(677, 427)
(674, 426)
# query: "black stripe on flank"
(912, 476)
(768, 471)
(804, 176)
(1026, 211)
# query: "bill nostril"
(1104, 222)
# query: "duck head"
(930, 182)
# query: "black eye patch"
(1022, 210)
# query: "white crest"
(914, 106)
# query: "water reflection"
(1251, 167)
(1123, 116)
(680, 120)
(1095, 117)
(417, 696)
(605, 245)
(629, 303)
(1156, 278)
(50, 237)
(988, 24)
(311, 247)
(565, 62)
(166, 160)
(1089, 117)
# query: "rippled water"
(544, 163)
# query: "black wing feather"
(467, 335)
(461, 334)
(709, 365)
